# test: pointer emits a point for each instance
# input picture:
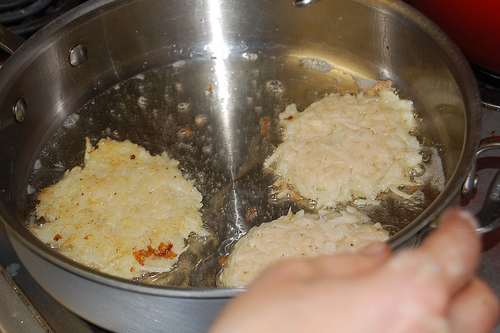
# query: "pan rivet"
(78, 55)
(302, 3)
(20, 109)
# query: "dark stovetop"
(25, 17)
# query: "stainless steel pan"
(232, 63)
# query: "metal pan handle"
(471, 180)
(9, 41)
(489, 215)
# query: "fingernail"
(374, 249)
(471, 219)
(453, 213)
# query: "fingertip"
(457, 217)
(471, 219)
(376, 249)
(457, 226)
(455, 245)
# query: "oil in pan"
(220, 123)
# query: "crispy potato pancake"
(125, 212)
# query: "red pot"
(473, 25)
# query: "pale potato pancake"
(294, 236)
(344, 147)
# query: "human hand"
(433, 288)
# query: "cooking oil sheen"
(219, 119)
